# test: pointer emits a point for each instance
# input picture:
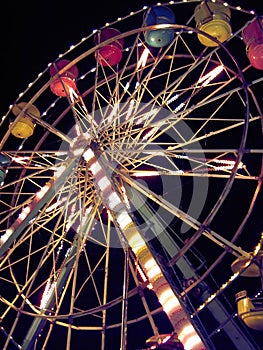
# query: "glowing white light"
(146, 116)
(88, 155)
(95, 168)
(85, 217)
(25, 211)
(55, 205)
(149, 264)
(140, 272)
(175, 97)
(143, 59)
(49, 288)
(145, 173)
(187, 333)
(113, 200)
(72, 94)
(150, 133)
(20, 160)
(126, 86)
(6, 235)
(170, 304)
(136, 242)
(130, 109)
(77, 129)
(88, 210)
(153, 269)
(166, 339)
(210, 76)
(125, 197)
(179, 107)
(104, 183)
(40, 194)
(191, 342)
(113, 113)
(155, 152)
(225, 164)
(69, 224)
(58, 171)
(165, 295)
(123, 220)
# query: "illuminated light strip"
(153, 272)
(258, 246)
(179, 107)
(25, 212)
(233, 277)
(77, 129)
(224, 285)
(146, 115)
(95, 168)
(130, 109)
(6, 235)
(150, 133)
(20, 160)
(104, 184)
(123, 219)
(166, 339)
(141, 273)
(191, 342)
(145, 173)
(186, 331)
(85, 217)
(143, 59)
(88, 155)
(175, 97)
(210, 76)
(49, 288)
(55, 205)
(72, 95)
(127, 86)
(166, 296)
(220, 168)
(226, 161)
(226, 164)
(136, 242)
(58, 171)
(149, 264)
(125, 197)
(40, 194)
(113, 113)
(171, 305)
(113, 201)
(137, 85)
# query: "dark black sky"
(35, 33)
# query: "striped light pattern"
(170, 303)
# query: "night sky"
(34, 34)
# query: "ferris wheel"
(131, 173)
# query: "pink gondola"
(253, 39)
(65, 81)
(110, 54)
